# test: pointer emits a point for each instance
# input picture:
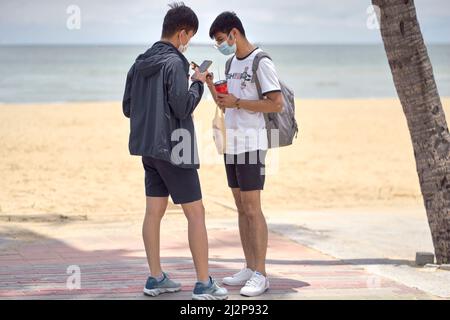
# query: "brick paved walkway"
(112, 264)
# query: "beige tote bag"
(219, 131)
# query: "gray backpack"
(281, 126)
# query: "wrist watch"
(237, 103)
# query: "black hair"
(225, 22)
(179, 17)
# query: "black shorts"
(246, 171)
(163, 179)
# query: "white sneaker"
(238, 279)
(257, 285)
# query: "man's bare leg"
(155, 209)
(258, 233)
(198, 237)
(244, 230)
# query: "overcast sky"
(267, 21)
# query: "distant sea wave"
(97, 73)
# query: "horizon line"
(204, 44)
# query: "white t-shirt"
(246, 129)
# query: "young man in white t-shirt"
(247, 143)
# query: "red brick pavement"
(114, 267)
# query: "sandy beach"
(343, 212)
(338, 206)
(72, 159)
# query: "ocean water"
(97, 73)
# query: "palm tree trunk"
(413, 78)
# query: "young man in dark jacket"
(159, 102)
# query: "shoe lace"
(252, 282)
(215, 286)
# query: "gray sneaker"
(212, 291)
(154, 287)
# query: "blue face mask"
(226, 49)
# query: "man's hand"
(226, 100)
(200, 76)
(210, 79)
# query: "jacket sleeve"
(126, 102)
(182, 99)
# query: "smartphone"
(203, 67)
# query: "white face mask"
(227, 49)
(183, 47)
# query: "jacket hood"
(151, 62)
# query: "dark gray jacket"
(158, 100)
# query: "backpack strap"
(256, 60)
(228, 65)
